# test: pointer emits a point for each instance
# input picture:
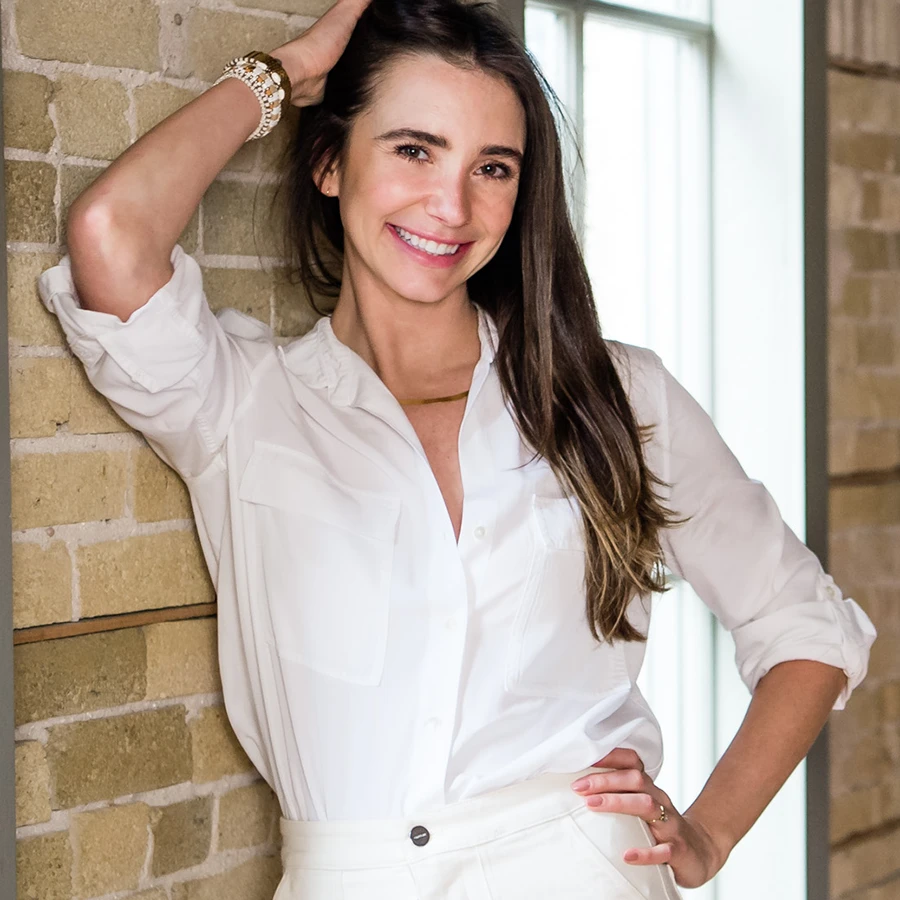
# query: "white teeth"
(431, 247)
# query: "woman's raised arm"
(122, 229)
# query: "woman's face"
(428, 178)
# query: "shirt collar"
(323, 360)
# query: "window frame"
(810, 68)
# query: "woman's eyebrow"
(436, 140)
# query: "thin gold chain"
(461, 396)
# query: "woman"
(435, 521)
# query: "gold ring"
(662, 817)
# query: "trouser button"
(419, 835)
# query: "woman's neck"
(415, 348)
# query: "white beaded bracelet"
(266, 77)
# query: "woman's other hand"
(309, 57)
(685, 844)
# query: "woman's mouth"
(434, 254)
(432, 247)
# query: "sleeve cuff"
(829, 629)
(164, 337)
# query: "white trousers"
(535, 840)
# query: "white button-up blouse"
(373, 667)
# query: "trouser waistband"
(371, 843)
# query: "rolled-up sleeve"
(171, 370)
(746, 564)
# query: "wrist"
(296, 72)
(717, 836)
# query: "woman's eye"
(496, 170)
(410, 151)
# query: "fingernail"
(581, 784)
(631, 856)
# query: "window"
(689, 118)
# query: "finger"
(649, 856)
(620, 758)
(641, 805)
(620, 781)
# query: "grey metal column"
(815, 139)
(7, 739)
(515, 12)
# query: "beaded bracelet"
(266, 77)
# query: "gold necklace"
(461, 396)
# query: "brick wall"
(864, 346)
(128, 778)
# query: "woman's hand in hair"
(309, 57)
(685, 844)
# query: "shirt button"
(419, 835)
(433, 722)
(480, 532)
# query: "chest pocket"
(551, 651)
(326, 553)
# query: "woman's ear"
(328, 180)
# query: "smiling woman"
(434, 522)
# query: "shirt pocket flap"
(559, 523)
(299, 485)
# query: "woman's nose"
(450, 201)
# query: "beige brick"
(237, 220)
(877, 448)
(154, 894)
(140, 752)
(256, 879)
(864, 150)
(29, 321)
(32, 784)
(79, 674)
(865, 395)
(26, 117)
(44, 867)
(89, 411)
(30, 207)
(159, 492)
(42, 584)
(60, 488)
(92, 115)
(74, 180)
(182, 658)
(215, 36)
(855, 100)
(871, 201)
(842, 344)
(157, 101)
(886, 296)
(890, 201)
(295, 7)
(856, 297)
(854, 813)
(875, 345)
(868, 249)
(216, 750)
(39, 396)
(145, 572)
(90, 31)
(110, 848)
(864, 505)
(845, 193)
(875, 859)
(247, 816)
(181, 835)
(247, 290)
(294, 315)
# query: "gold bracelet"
(266, 77)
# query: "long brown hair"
(555, 369)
